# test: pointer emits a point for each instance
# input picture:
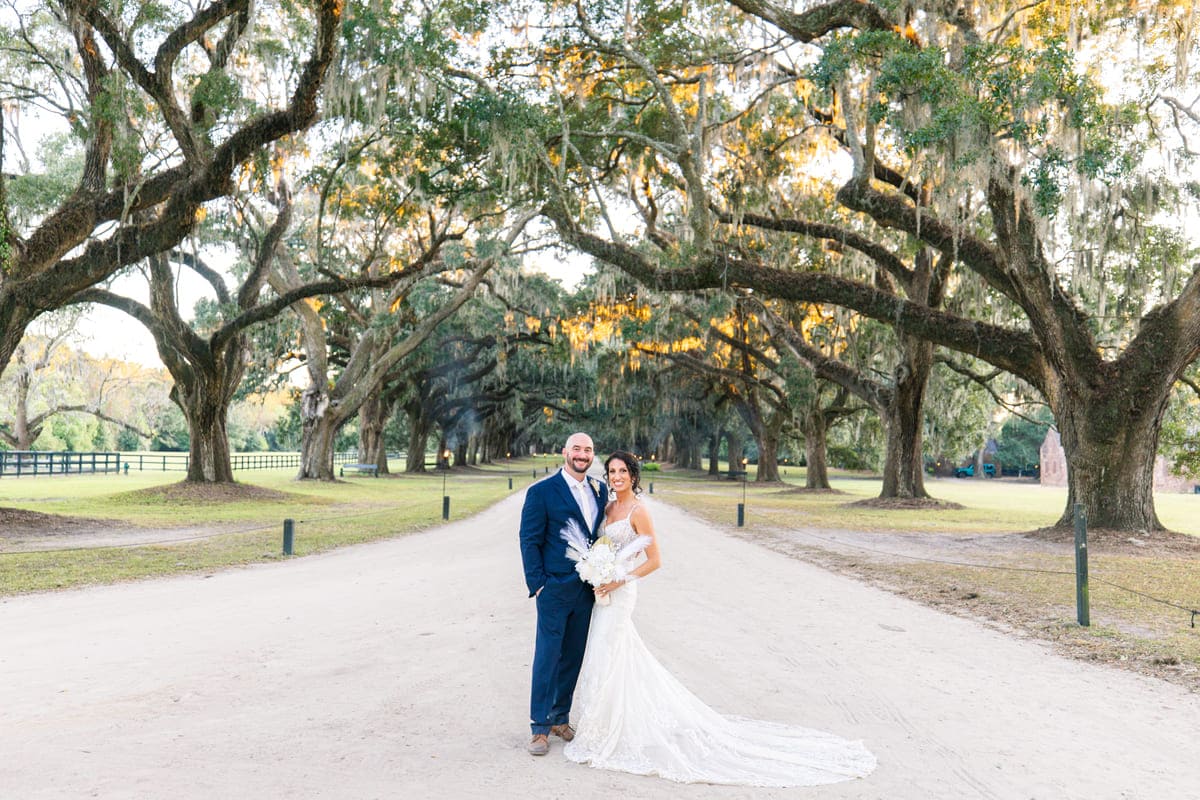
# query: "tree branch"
(1012, 350)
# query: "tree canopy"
(802, 218)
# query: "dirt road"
(400, 670)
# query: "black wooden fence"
(47, 462)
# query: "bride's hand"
(608, 588)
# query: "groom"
(564, 602)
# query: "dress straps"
(627, 516)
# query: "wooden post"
(1082, 599)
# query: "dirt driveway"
(399, 670)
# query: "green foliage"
(102, 437)
(6, 250)
(32, 196)
(72, 432)
(347, 437)
(128, 441)
(1020, 441)
(849, 457)
(1180, 438)
(217, 92)
(170, 430)
(252, 442)
(1032, 96)
(957, 415)
(286, 433)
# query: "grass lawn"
(970, 560)
(989, 506)
(973, 561)
(220, 530)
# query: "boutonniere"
(595, 484)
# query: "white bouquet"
(600, 562)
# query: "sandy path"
(400, 670)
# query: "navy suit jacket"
(549, 506)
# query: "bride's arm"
(643, 526)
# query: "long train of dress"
(634, 716)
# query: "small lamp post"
(742, 505)
(446, 471)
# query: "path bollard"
(651, 487)
(1082, 599)
(741, 515)
(289, 530)
(445, 506)
(510, 484)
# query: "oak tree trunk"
(903, 471)
(816, 433)
(768, 457)
(735, 450)
(1110, 448)
(205, 406)
(318, 434)
(21, 433)
(372, 417)
(419, 428)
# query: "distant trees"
(50, 379)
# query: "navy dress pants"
(564, 612)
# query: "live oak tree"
(485, 366)
(729, 353)
(973, 137)
(643, 124)
(161, 98)
(410, 179)
(207, 356)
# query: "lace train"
(634, 716)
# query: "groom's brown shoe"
(540, 745)
(564, 732)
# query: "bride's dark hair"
(631, 463)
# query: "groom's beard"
(580, 465)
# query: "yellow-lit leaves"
(601, 323)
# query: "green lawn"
(989, 506)
(327, 515)
(1128, 628)
(1019, 584)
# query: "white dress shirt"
(583, 496)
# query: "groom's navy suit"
(564, 604)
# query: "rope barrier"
(1194, 612)
(127, 545)
(343, 517)
(938, 560)
(271, 526)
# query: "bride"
(636, 717)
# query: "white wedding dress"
(634, 716)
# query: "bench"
(361, 468)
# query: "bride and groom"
(632, 714)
